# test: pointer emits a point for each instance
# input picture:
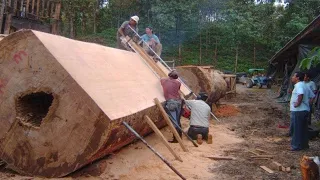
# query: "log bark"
(204, 79)
(83, 94)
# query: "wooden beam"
(57, 11)
(267, 169)
(32, 7)
(173, 130)
(1, 14)
(38, 7)
(162, 138)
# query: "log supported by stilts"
(62, 102)
(204, 79)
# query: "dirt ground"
(249, 122)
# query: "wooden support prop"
(8, 24)
(152, 149)
(145, 56)
(221, 158)
(173, 130)
(267, 169)
(160, 135)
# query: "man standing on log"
(125, 30)
(299, 108)
(171, 87)
(153, 42)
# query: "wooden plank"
(173, 130)
(1, 13)
(38, 7)
(162, 138)
(32, 7)
(262, 156)
(220, 158)
(254, 153)
(267, 169)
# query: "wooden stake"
(27, 7)
(32, 7)
(38, 7)
(160, 135)
(173, 130)
(152, 149)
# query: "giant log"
(62, 102)
(204, 79)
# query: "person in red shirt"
(171, 87)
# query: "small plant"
(312, 60)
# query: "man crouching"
(199, 119)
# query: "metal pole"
(152, 149)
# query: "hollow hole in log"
(33, 108)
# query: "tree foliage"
(203, 32)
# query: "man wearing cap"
(153, 42)
(171, 87)
(125, 30)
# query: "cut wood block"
(276, 166)
(221, 158)
(267, 169)
(288, 169)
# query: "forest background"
(231, 35)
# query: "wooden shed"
(41, 15)
(63, 101)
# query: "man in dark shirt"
(171, 87)
(125, 30)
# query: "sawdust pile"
(226, 111)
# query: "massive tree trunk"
(62, 109)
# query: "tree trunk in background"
(1, 14)
(236, 63)
(216, 53)
(254, 55)
(71, 28)
(180, 58)
(207, 44)
(200, 51)
(96, 6)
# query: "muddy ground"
(249, 122)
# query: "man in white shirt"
(199, 119)
(299, 109)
